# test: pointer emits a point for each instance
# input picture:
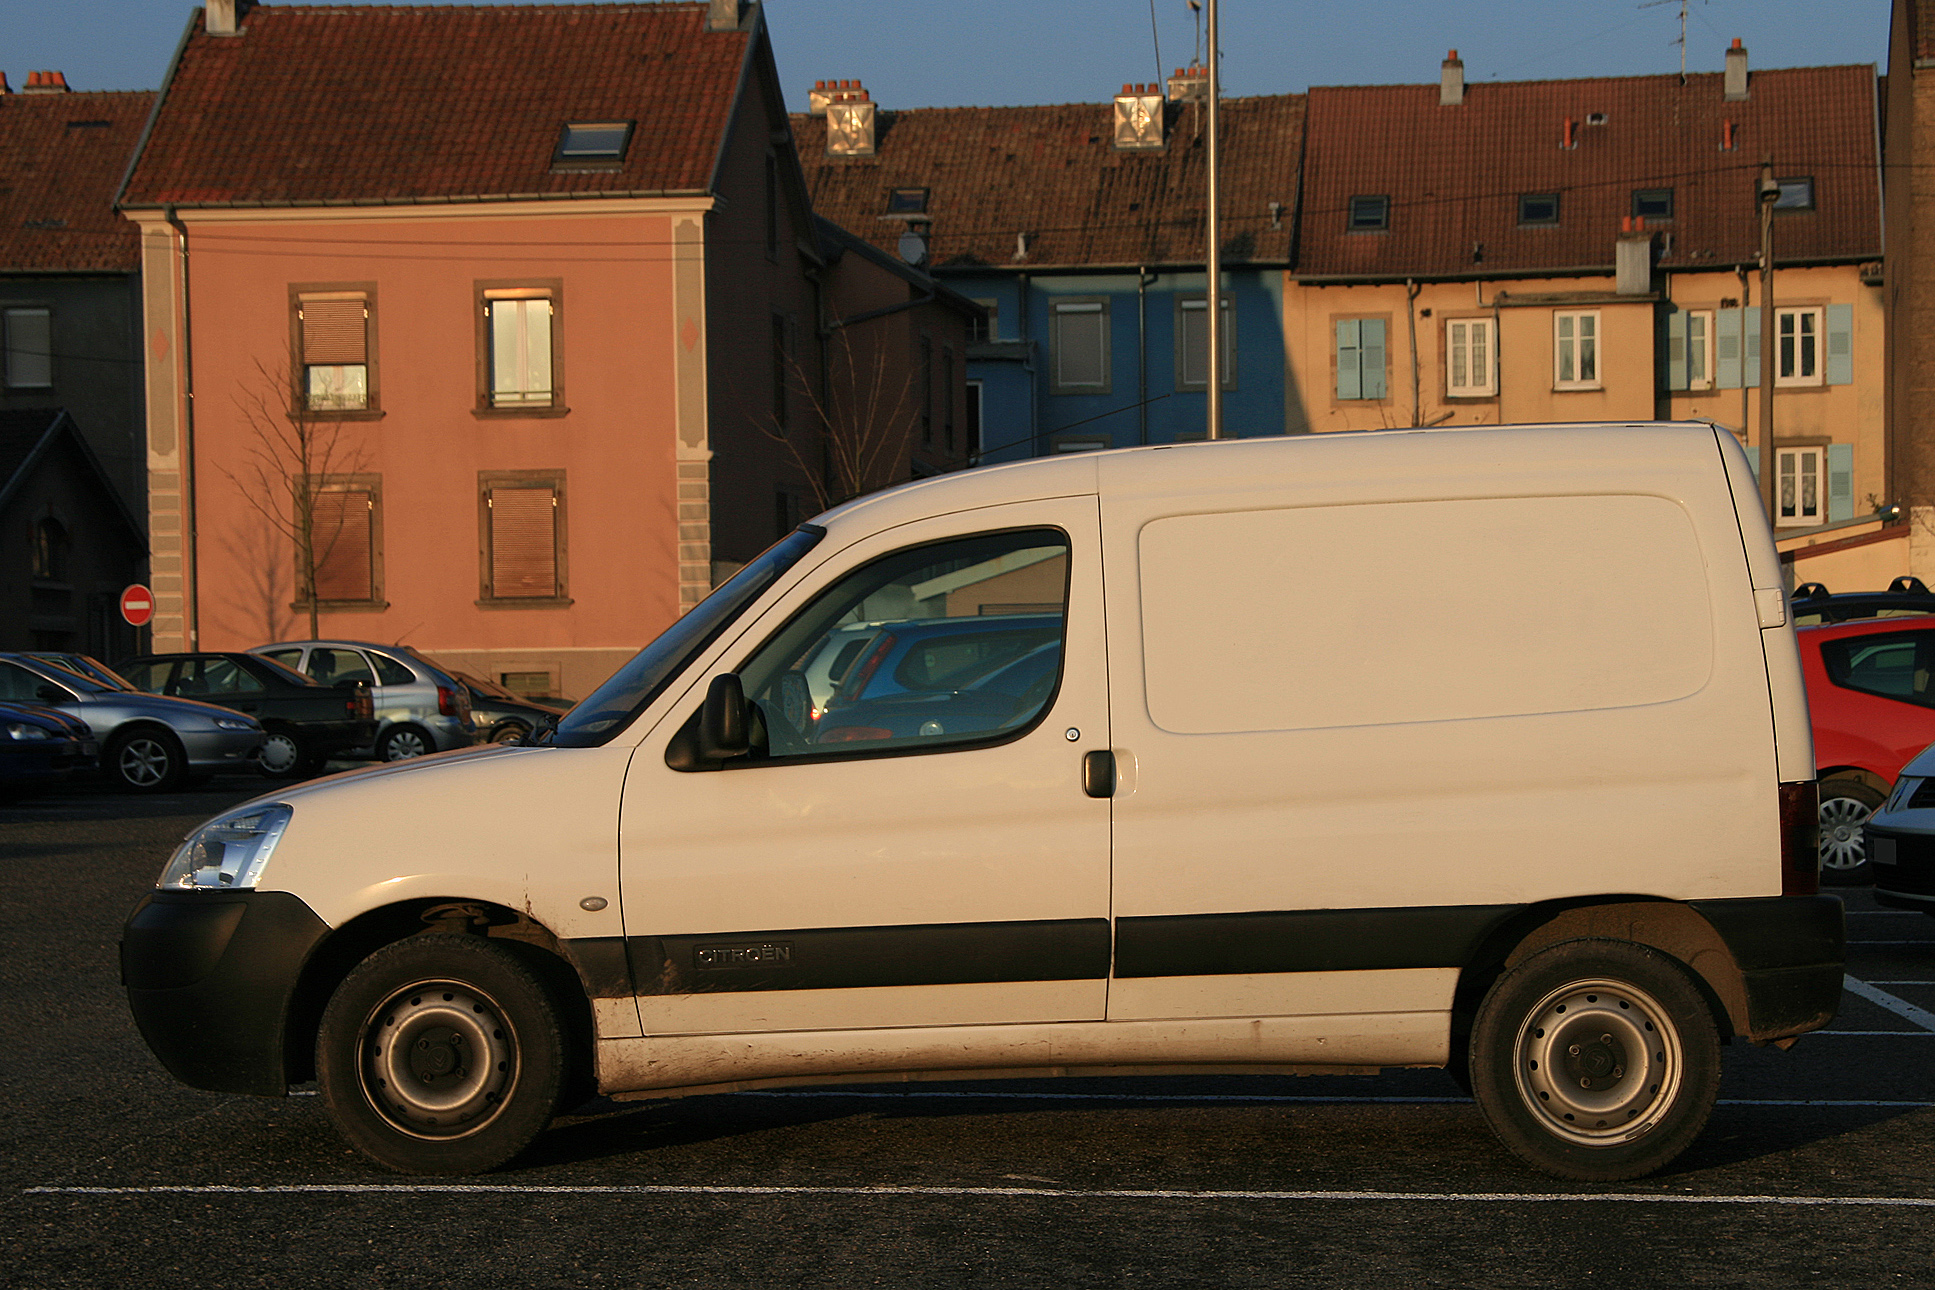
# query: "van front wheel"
(1595, 1060)
(441, 1055)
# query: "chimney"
(1736, 85)
(1634, 257)
(723, 15)
(4, 87)
(1189, 85)
(45, 83)
(849, 120)
(817, 97)
(222, 17)
(1138, 118)
(1451, 80)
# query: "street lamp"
(1768, 191)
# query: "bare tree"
(293, 452)
(865, 416)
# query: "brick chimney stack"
(1451, 80)
(1736, 83)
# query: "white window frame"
(1459, 334)
(1576, 344)
(1082, 307)
(1795, 465)
(1791, 357)
(1700, 347)
(528, 341)
(1199, 305)
(29, 334)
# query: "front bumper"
(220, 749)
(1904, 867)
(210, 977)
(1791, 951)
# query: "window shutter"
(1840, 347)
(333, 332)
(1726, 348)
(1840, 480)
(1750, 348)
(1676, 378)
(340, 523)
(523, 542)
(1371, 336)
(1350, 383)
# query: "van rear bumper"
(1790, 951)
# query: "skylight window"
(907, 201)
(591, 144)
(1538, 208)
(1368, 214)
(1796, 194)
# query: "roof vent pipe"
(1736, 81)
(1451, 81)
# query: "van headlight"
(229, 852)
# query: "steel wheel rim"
(143, 762)
(279, 754)
(1598, 1062)
(1843, 845)
(438, 1059)
(404, 745)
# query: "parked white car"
(1268, 816)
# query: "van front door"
(910, 843)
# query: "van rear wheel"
(1595, 1060)
(441, 1054)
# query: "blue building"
(1080, 228)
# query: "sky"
(950, 53)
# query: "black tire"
(284, 755)
(145, 760)
(429, 1105)
(1846, 805)
(1595, 1012)
(401, 743)
(509, 732)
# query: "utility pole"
(1768, 192)
(1213, 303)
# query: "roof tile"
(61, 156)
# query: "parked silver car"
(420, 708)
(149, 743)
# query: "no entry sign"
(137, 605)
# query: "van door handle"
(1098, 773)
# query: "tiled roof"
(1454, 174)
(348, 104)
(61, 156)
(1053, 174)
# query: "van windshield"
(610, 708)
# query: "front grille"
(1913, 870)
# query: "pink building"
(507, 316)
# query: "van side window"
(937, 646)
(1895, 666)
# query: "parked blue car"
(41, 747)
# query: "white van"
(1478, 748)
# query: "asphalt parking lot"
(1818, 1167)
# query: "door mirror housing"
(722, 721)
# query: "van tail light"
(1800, 839)
(853, 734)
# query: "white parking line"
(1900, 1007)
(992, 1193)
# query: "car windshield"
(609, 708)
(91, 668)
(72, 680)
(282, 673)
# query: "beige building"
(1589, 250)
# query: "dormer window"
(592, 145)
(1369, 214)
(907, 201)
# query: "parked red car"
(1871, 694)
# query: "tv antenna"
(1681, 42)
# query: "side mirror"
(722, 721)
